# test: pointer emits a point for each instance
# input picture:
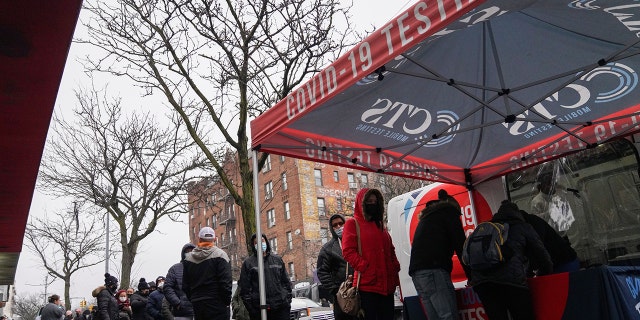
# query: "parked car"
(307, 309)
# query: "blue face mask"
(264, 246)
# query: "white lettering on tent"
(601, 132)
(399, 112)
(401, 30)
(321, 85)
(625, 17)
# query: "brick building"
(297, 197)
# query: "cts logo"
(411, 120)
(627, 81)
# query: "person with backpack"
(503, 288)
(438, 235)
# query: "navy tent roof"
(463, 92)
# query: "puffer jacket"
(180, 304)
(378, 263)
(139, 307)
(522, 246)
(278, 286)
(331, 265)
(107, 303)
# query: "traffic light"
(83, 303)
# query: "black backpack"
(484, 248)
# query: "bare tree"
(217, 63)
(26, 307)
(66, 244)
(125, 165)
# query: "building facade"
(297, 197)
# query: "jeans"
(436, 293)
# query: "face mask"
(123, 299)
(160, 284)
(339, 231)
(264, 246)
(373, 211)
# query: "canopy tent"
(465, 91)
(35, 37)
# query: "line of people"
(199, 287)
(535, 248)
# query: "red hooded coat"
(378, 263)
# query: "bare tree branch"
(217, 63)
(65, 245)
(127, 166)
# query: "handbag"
(348, 297)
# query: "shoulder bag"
(348, 297)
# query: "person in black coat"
(438, 235)
(504, 289)
(139, 301)
(207, 280)
(332, 269)
(278, 286)
(564, 258)
(180, 305)
(105, 296)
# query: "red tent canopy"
(462, 92)
(35, 37)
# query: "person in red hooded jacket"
(378, 265)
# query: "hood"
(255, 252)
(507, 212)
(358, 211)
(335, 216)
(97, 290)
(202, 253)
(183, 252)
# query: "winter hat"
(152, 285)
(142, 284)
(207, 233)
(120, 291)
(160, 278)
(109, 279)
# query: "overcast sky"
(161, 250)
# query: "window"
(336, 177)
(289, 240)
(364, 179)
(191, 212)
(284, 180)
(213, 198)
(274, 245)
(281, 158)
(268, 190)
(352, 180)
(339, 204)
(207, 223)
(317, 173)
(214, 221)
(287, 213)
(267, 164)
(324, 235)
(292, 271)
(321, 208)
(193, 232)
(271, 218)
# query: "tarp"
(464, 91)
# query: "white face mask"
(123, 299)
(339, 231)
(160, 284)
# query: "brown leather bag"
(348, 296)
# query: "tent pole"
(256, 197)
(474, 214)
